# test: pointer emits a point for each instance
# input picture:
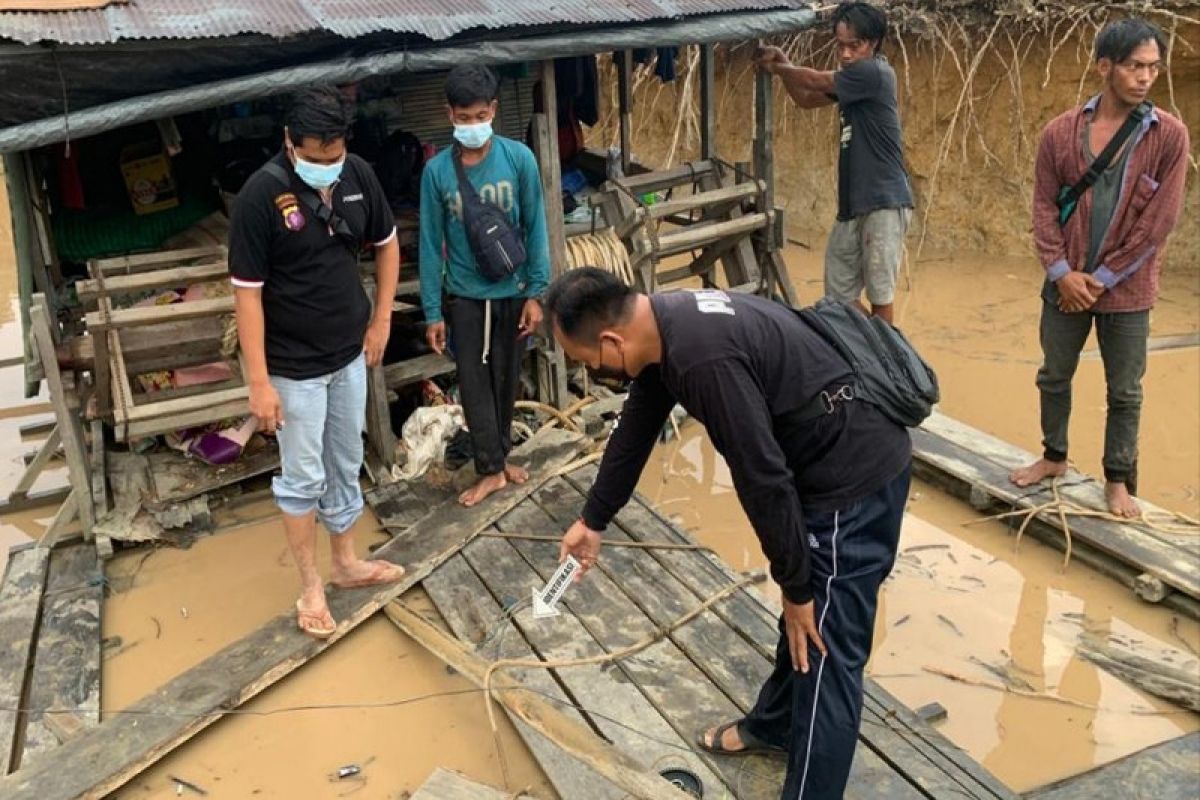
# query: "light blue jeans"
(321, 445)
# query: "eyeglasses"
(1137, 67)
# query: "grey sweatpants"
(1122, 337)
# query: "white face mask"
(474, 136)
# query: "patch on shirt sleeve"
(289, 207)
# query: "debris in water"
(181, 784)
(919, 547)
(932, 713)
(902, 620)
(945, 621)
(950, 556)
(348, 771)
(183, 613)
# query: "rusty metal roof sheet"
(434, 19)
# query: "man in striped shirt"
(1102, 265)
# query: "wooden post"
(380, 435)
(708, 108)
(545, 131)
(70, 427)
(550, 167)
(764, 170)
(625, 106)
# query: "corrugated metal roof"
(435, 19)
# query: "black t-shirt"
(315, 308)
(747, 367)
(871, 172)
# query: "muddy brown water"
(960, 600)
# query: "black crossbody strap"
(319, 209)
(464, 185)
(1097, 167)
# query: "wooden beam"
(380, 435)
(701, 235)
(70, 427)
(127, 431)
(624, 61)
(32, 472)
(154, 315)
(195, 341)
(20, 603)
(713, 203)
(35, 500)
(90, 289)
(708, 108)
(764, 148)
(416, 369)
(574, 737)
(550, 166)
(683, 175)
(146, 262)
(96, 763)
(67, 512)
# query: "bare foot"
(1120, 502)
(515, 474)
(483, 488)
(1037, 472)
(356, 573)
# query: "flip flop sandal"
(751, 745)
(311, 623)
(380, 572)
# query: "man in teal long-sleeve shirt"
(490, 320)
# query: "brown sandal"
(313, 622)
(382, 572)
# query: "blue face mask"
(318, 176)
(475, 136)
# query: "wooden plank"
(48, 497)
(66, 664)
(702, 266)
(474, 616)
(144, 262)
(684, 174)
(545, 132)
(416, 369)
(99, 498)
(764, 145)
(574, 737)
(380, 435)
(173, 422)
(624, 61)
(105, 758)
(91, 289)
(672, 685)
(175, 478)
(152, 315)
(183, 405)
(20, 602)
(961, 458)
(714, 202)
(70, 426)
(446, 785)
(694, 236)
(145, 347)
(64, 516)
(33, 471)
(1164, 771)
(708, 107)
(629, 722)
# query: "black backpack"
(889, 372)
(499, 249)
(400, 168)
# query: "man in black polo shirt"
(822, 477)
(308, 334)
(874, 197)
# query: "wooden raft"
(96, 762)
(652, 705)
(1159, 566)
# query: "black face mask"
(609, 375)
